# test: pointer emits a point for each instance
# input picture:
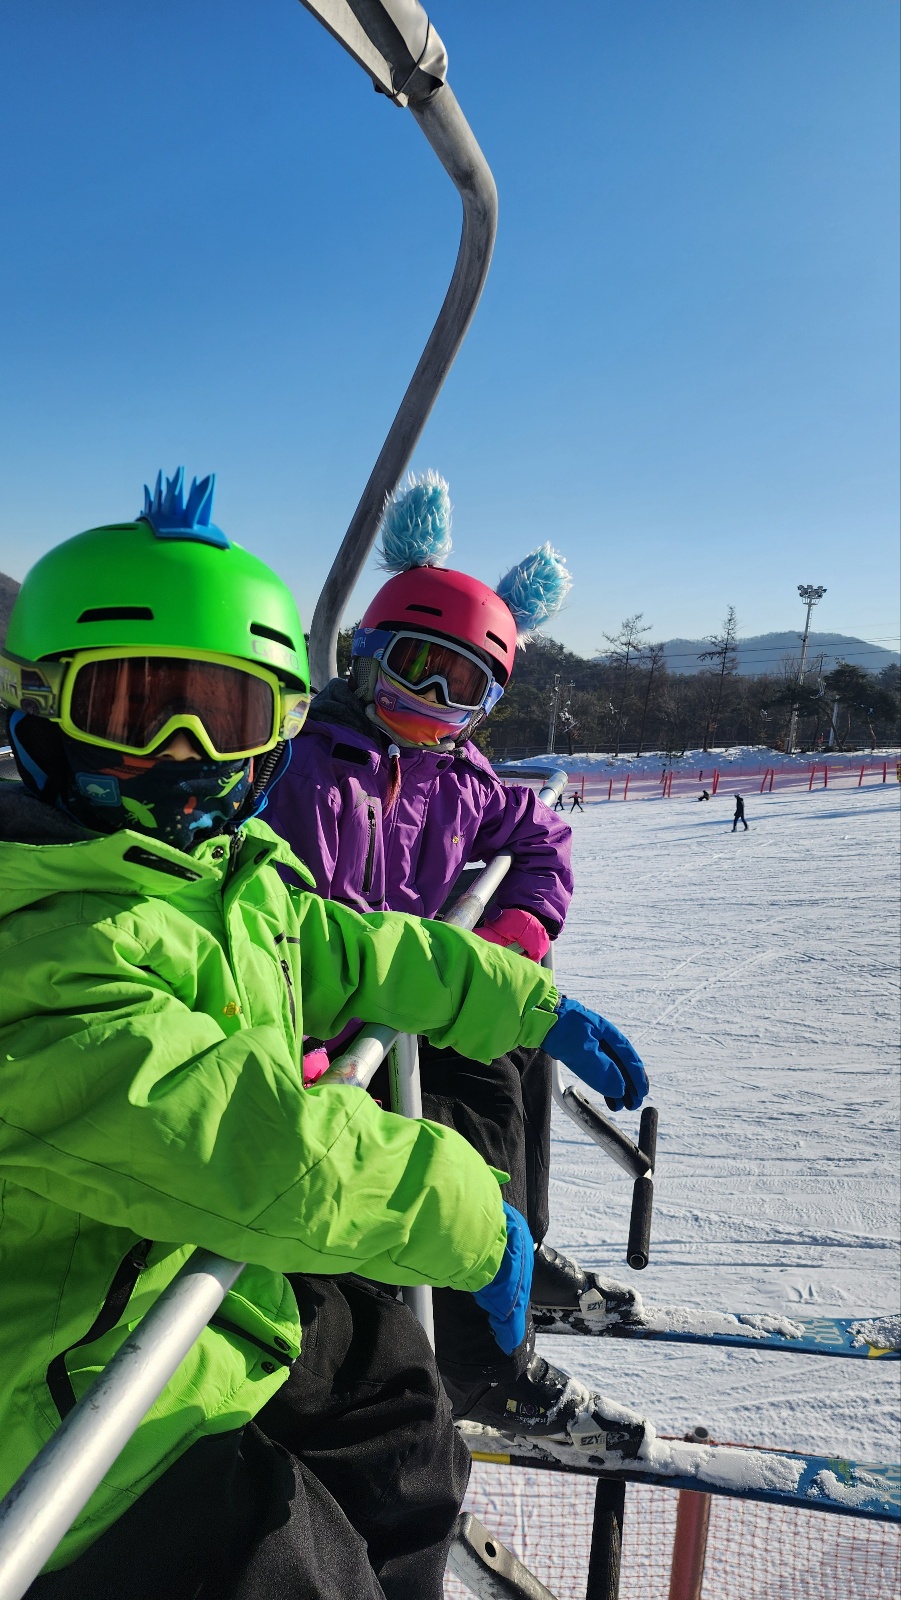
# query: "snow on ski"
(866, 1338)
(817, 1482)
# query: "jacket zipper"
(370, 854)
(287, 971)
(281, 938)
(117, 1297)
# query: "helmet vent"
(117, 614)
(432, 611)
(495, 639)
(262, 632)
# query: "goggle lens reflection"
(127, 701)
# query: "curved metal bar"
(454, 143)
(42, 1505)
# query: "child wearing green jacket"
(158, 977)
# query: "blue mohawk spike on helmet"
(172, 517)
(535, 589)
(416, 524)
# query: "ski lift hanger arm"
(395, 43)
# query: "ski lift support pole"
(394, 41)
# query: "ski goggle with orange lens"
(134, 701)
(421, 662)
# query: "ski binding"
(817, 1482)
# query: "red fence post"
(610, 790)
(626, 788)
(689, 1545)
(825, 777)
(716, 781)
(860, 779)
(813, 773)
(884, 771)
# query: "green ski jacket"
(152, 1006)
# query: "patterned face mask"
(417, 721)
(179, 802)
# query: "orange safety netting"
(754, 1551)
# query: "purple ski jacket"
(329, 806)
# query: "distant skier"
(558, 803)
(739, 816)
(386, 800)
(576, 802)
(704, 795)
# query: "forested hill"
(611, 703)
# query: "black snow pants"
(503, 1111)
(346, 1487)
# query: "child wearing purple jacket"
(386, 800)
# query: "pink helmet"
(427, 596)
(451, 604)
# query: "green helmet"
(169, 580)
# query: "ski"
(866, 1338)
(782, 1477)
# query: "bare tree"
(722, 650)
(626, 645)
(653, 655)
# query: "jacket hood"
(44, 852)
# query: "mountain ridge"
(763, 652)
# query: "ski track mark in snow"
(716, 978)
(777, 1154)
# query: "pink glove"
(519, 931)
(315, 1063)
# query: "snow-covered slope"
(757, 973)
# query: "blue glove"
(506, 1297)
(598, 1054)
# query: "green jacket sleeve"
(124, 1102)
(420, 977)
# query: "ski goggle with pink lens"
(421, 662)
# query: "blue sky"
(223, 249)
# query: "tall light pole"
(552, 725)
(810, 595)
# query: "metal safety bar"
(43, 1504)
(635, 1159)
(360, 1062)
